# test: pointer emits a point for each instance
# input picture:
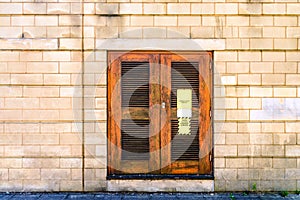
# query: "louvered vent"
(135, 93)
(135, 139)
(135, 84)
(185, 147)
(185, 75)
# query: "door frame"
(114, 56)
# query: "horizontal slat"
(185, 147)
(135, 139)
(135, 84)
(185, 75)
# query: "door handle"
(163, 105)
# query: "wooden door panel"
(185, 148)
(132, 167)
(125, 90)
(135, 113)
(184, 152)
(185, 167)
(138, 90)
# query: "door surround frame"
(180, 45)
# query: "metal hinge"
(210, 157)
(210, 113)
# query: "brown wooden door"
(133, 93)
(186, 154)
(142, 121)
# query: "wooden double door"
(159, 114)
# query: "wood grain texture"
(185, 167)
(114, 112)
(195, 113)
(134, 167)
(160, 137)
(204, 120)
(138, 113)
(135, 113)
(134, 57)
(154, 113)
(165, 133)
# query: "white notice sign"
(184, 111)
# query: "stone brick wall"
(53, 87)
